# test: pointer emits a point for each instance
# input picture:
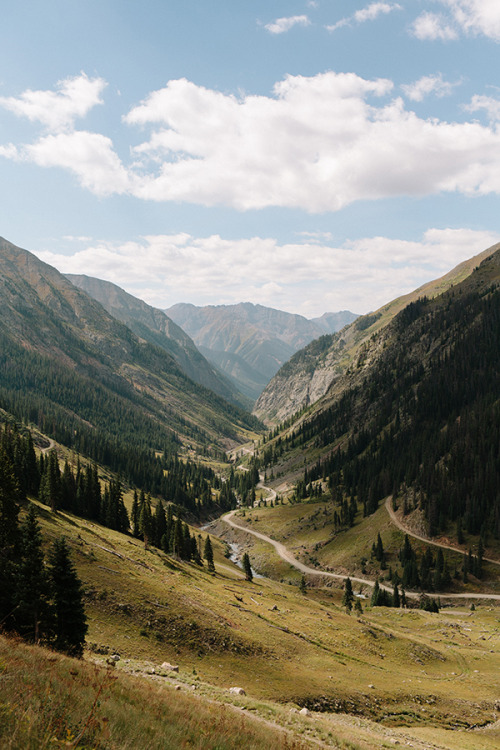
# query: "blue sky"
(308, 156)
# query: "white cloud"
(476, 16)
(317, 144)
(432, 26)
(426, 85)
(57, 110)
(487, 103)
(302, 277)
(374, 10)
(467, 16)
(282, 25)
(369, 13)
(89, 156)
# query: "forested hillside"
(321, 365)
(157, 328)
(88, 382)
(419, 417)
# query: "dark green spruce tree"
(247, 567)
(69, 621)
(32, 585)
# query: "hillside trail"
(396, 521)
(51, 446)
(286, 555)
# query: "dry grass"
(50, 701)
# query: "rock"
(372, 687)
(274, 608)
(304, 712)
(237, 691)
(177, 687)
(169, 667)
(115, 657)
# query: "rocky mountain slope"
(416, 416)
(249, 343)
(67, 365)
(153, 325)
(309, 374)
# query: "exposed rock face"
(314, 370)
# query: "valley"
(120, 436)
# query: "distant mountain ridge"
(248, 342)
(154, 326)
(312, 371)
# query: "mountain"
(417, 413)
(309, 373)
(248, 342)
(88, 381)
(332, 322)
(154, 326)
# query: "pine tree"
(208, 554)
(247, 567)
(396, 600)
(303, 585)
(10, 497)
(32, 587)
(134, 516)
(348, 596)
(70, 622)
(375, 594)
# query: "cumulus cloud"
(370, 13)
(487, 103)
(303, 277)
(89, 156)
(317, 144)
(466, 16)
(282, 25)
(58, 110)
(426, 85)
(433, 26)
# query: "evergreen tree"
(134, 516)
(208, 554)
(247, 567)
(375, 594)
(348, 596)
(70, 622)
(10, 497)
(396, 601)
(32, 589)
(357, 606)
(303, 585)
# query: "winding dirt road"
(395, 520)
(286, 555)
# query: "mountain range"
(83, 376)
(154, 326)
(248, 342)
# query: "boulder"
(170, 667)
(304, 712)
(237, 691)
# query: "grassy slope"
(307, 529)
(282, 647)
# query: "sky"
(308, 155)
